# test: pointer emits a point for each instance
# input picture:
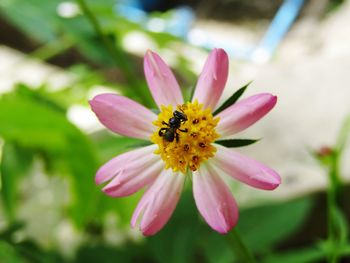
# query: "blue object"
(179, 24)
(279, 26)
(131, 10)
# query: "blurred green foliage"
(34, 124)
(41, 22)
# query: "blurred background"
(56, 55)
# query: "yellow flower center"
(189, 144)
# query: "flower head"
(197, 135)
(183, 136)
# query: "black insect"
(170, 133)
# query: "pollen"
(193, 144)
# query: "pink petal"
(134, 177)
(244, 113)
(161, 81)
(142, 156)
(214, 199)
(212, 80)
(159, 202)
(123, 116)
(244, 169)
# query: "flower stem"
(52, 49)
(332, 193)
(118, 55)
(240, 250)
(337, 226)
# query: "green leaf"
(14, 164)
(100, 252)
(43, 129)
(261, 227)
(343, 135)
(40, 21)
(264, 226)
(191, 93)
(303, 255)
(26, 250)
(9, 254)
(237, 142)
(340, 224)
(231, 100)
(215, 247)
(308, 254)
(34, 17)
(334, 249)
(7, 233)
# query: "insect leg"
(160, 132)
(163, 122)
(185, 130)
(177, 137)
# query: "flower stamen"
(194, 137)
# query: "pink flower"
(188, 149)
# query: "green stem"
(52, 49)
(336, 220)
(117, 54)
(240, 250)
(46, 51)
(332, 235)
(332, 207)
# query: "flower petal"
(161, 81)
(133, 178)
(244, 169)
(123, 116)
(214, 199)
(244, 113)
(142, 157)
(159, 202)
(212, 80)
